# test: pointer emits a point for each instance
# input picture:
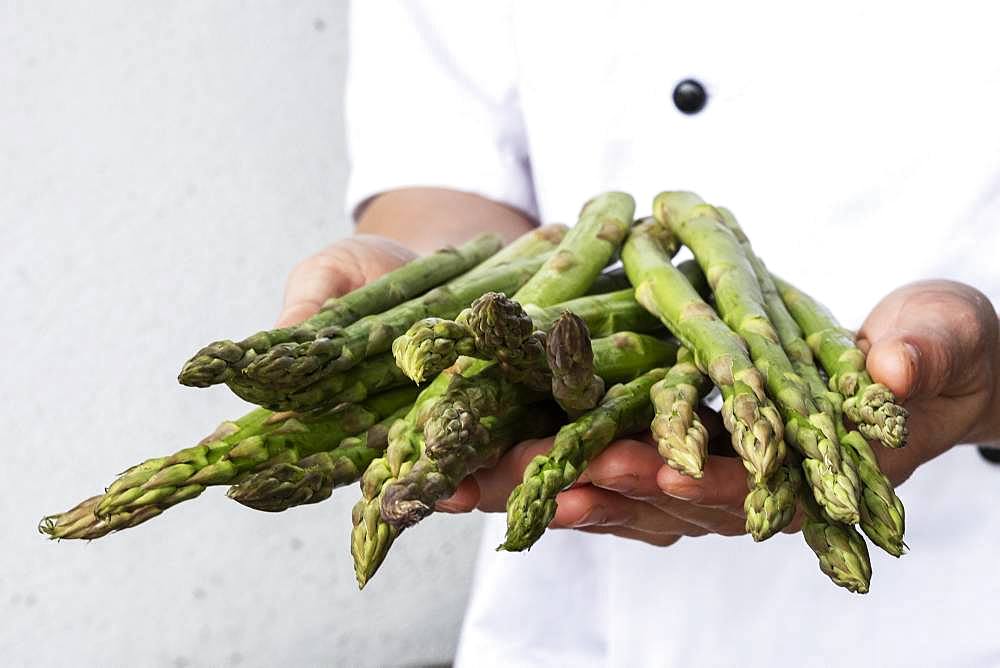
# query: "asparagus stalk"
(610, 280)
(336, 349)
(219, 361)
(540, 241)
(260, 438)
(868, 404)
(430, 346)
(378, 374)
(503, 331)
(82, 523)
(603, 314)
(313, 478)
(617, 358)
(882, 516)
(696, 277)
(459, 436)
(770, 505)
(741, 304)
(841, 550)
(371, 536)
(625, 409)
(570, 358)
(583, 253)
(473, 423)
(749, 416)
(681, 438)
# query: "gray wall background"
(163, 165)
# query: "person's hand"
(935, 344)
(342, 266)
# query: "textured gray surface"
(162, 167)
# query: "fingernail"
(622, 484)
(448, 507)
(685, 492)
(596, 515)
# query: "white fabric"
(860, 148)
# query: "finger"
(495, 483)
(313, 281)
(657, 539)
(723, 484)
(627, 466)
(464, 500)
(929, 339)
(336, 270)
(589, 506)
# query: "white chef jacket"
(859, 145)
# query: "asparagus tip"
(211, 364)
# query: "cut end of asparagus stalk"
(400, 509)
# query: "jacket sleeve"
(432, 101)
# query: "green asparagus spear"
(680, 436)
(748, 414)
(841, 550)
(371, 536)
(468, 428)
(337, 349)
(584, 252)
(603, 314)
(770, 505)
(258, 439)
(882, 516)
(625, 409)
(503, 331)
(459, 440)
(217, 362)
(378, 374)
(617, 358)
(570, 357)
(431, 345)
(696, 277)
(313, 478)
(868, 404)
(538, 242)
(82, 523)
(741, 305)
(610, 280)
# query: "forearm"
(425, 219)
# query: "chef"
(859, 145)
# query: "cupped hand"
(935, 344)
(342, 266)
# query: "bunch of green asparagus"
(432, 372)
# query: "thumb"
(929, 339)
